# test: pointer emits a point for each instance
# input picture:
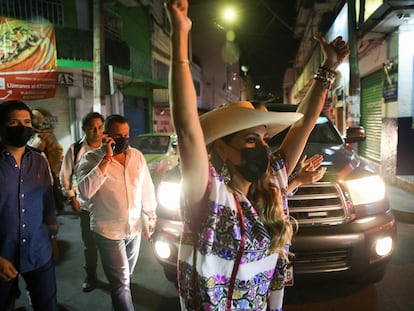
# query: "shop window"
(50, 10)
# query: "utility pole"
(354, 78)
(98, 55)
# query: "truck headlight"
(383, 246)
(366, 189)
(162, 249)
(169, 194)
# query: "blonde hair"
(267, 200)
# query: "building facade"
(375, 86)
(112, 57)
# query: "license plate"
(289, 276)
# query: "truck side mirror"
(355, 134)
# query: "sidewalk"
(406, 183)
(402, 201)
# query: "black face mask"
(254, 163)
(17, 136)
(121, 143)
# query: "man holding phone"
(116, 181)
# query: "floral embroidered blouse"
(232, 253)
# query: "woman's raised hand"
(177, 11)
(334, 53)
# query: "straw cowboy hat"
(234, 117)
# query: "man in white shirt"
(116, 181)
(92, 126)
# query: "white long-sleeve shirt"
(118, 198)
(67, 176)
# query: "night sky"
(264, 33)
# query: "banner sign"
(28, 60)
(390, 81)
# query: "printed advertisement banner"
(28, 60)
(390, 84)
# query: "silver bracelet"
(326, 76)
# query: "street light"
(230, 52)
(229, 15)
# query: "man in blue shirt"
(28, 224)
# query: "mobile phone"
(113, 144)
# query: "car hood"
(154, 157)
(341, 161)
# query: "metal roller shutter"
(371, 115)
(58, 107)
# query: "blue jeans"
(41, 283)
(90, 250)
(119, 258)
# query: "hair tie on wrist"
(181, 62)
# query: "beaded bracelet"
(107, 158)
(326, 76)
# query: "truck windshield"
(324, 132)
(151, 144)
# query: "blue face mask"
(254, 163)
(121, 143)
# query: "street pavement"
(151, 290)
(401, 203)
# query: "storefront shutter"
(58, 108)
(371, 115)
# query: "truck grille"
(318, 203)
(321, 261)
